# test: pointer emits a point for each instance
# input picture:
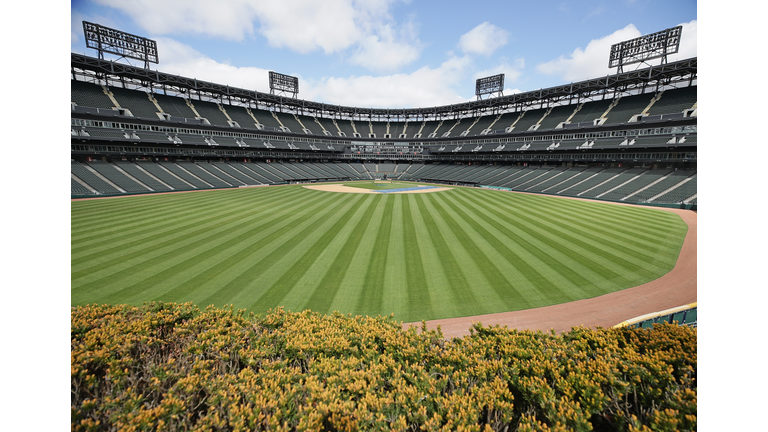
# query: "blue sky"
(387, 53)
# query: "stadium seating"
(174, 106)
(143, 176)
(90, 95)
(137, 102)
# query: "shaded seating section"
(282, 173)
(117, 177)
(582, 174)
(235, 173)
(599, 177)
(589, 112)
(142, 176)
(627, 107)
(269, 174)
(346, 127)
(215, 169)
(79, 189)
(674, 101)
(680, 192)
(211, 112)
(327, 125)
(617, 181)
(627, 192)
(361, 171)
(399, 128)
(90, 95)
(174, 106)
(530, 118)
(558, 115)
(664, 181)
(136, 101)
(309, 123)
(251, 170)
(476, 128)
(161, 172)
(556, 178)
(239, 115)
(265, 118)
(177, 168)
(379, 128)
(638, 184)
(289, 121)
(85, 174)
(208, 177)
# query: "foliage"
(174, 367)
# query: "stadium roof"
(683, 72)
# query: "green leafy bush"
(175, 367)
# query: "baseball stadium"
(535, 213)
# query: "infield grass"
(425, 256)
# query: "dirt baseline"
(676, 288)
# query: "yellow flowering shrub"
(175, 367)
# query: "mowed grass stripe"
(627, 262)
(131, 215)
(188, 222)
(562, 257)
(172, 256)
(371, 299)
(485, 282)
(323, 295)
(419, 300)
(353, 281)
(395, 281)
(638, 224)
(458, 287)
(565, 258)
(244, 283)
(441, 297)
(273, 296)
(562, 283)
(297, 297)
(487, 253)
(583, 253)
(418, 256)
(535, 286)
(176, 216)
(194, 231)
(196, 267)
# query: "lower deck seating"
(639, 184)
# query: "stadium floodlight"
(105, 39)
(492, 85)
(648, 47)
(283, 84)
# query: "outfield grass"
(420, 256)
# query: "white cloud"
(386, 51)
(422, 88)
(332, 26)
(181, 59)
(688, 45)
(232, 22)
(512, 72)
(591, 62)
(483, 39)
